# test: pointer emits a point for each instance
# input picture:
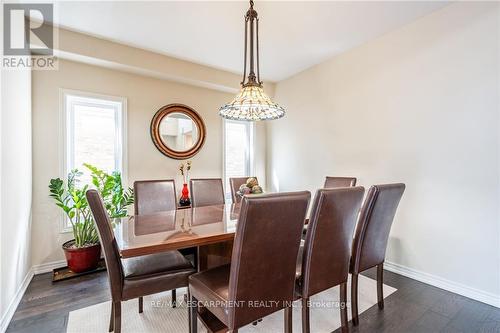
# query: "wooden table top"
(177, 229)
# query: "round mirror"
(177, 131)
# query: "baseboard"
(439, 282)
(11, 308)
(48, 267)
(35, 270)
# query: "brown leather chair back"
(151, 196)
(334, 182)
(235, 183)
(108, 243)
(206, 192)
(375, 220)
(265, 253)
(328, 242)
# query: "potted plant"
(84, 251)
(116, 199)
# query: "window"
(238, 151)
(94, 133)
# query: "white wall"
(145, 95)
(418, 105)
(15, 195)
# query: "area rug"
(159, 316)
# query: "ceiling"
(293, 35)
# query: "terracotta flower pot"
(82, 259)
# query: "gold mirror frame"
(155, 131)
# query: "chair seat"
(152, 264)
(154, 273)
(211, 288)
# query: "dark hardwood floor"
(414, 307)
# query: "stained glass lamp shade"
(251, 104)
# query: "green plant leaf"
(72, 200)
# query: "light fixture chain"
(257, 41)
(245, 57)
(251, 36)
(251, 18)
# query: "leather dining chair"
(206, 192)
(334, 182)
(152, 196)
(235, 183)
(324, 259)
(263, 262)
(139, 276)
(371, 236)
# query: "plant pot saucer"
(64, 273)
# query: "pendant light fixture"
(251, 103)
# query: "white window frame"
(251, 153)
(66, 133)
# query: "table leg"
(214, 255)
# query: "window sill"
(66, 230)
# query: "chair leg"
(197, 257)
(174, 298)
(354, 299)
(187, 299)
(288, 319)
(306, 328)
(193, 317)
(380, 285)
(111, 317)
(343, 307)
(117, 314)
(141, 307)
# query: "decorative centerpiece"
(184, 169)
(250, 187)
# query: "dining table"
(209, 229)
